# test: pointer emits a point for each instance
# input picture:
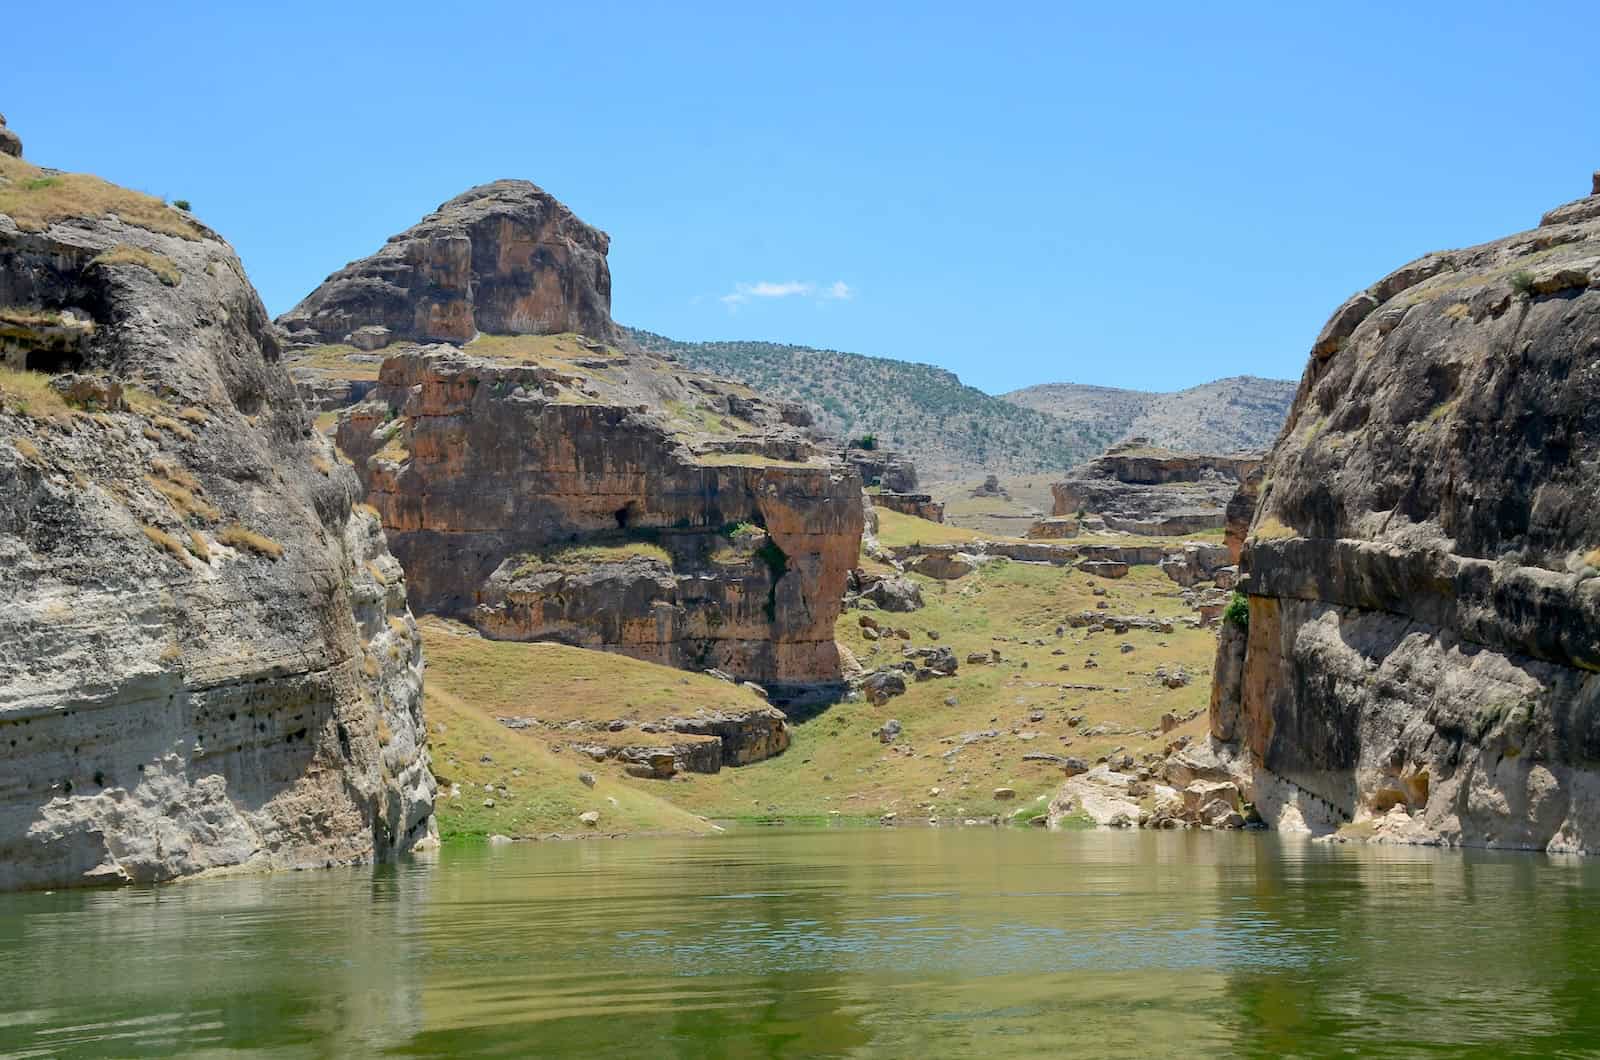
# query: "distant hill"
(1242, 412)
(951, 430)
(957, 432)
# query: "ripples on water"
(842, 943)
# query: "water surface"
(871, 943)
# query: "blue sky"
(1145, 196)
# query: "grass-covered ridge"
(35, 199)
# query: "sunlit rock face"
(567, 504)
(206, 658)
(502, 258)
(1423, 651)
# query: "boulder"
(882, 685)
(896, 594)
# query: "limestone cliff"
(502, 258)
(206, 659)
(610, 500)
(1145, 489)
(1422, 660)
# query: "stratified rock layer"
(206, 659)
(1143, 489)
(503, 258)
(622, 504)
(1423, 649)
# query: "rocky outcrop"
(206, 659)
(1139, 488)
(920, 505)
(883, 468)
(595, 507)
(10, 142)
(1422, 661)
(503, 258)
(543, 483)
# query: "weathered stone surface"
(884, 468)
(921, 505)
(503, 259)
(1142, 489)
(206, 659)
(10, 142)
(1424, 563)
(602, 523)
(1057, 526)
(894, 593)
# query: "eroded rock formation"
(502, 258)
(1143, 489)
(595, 507)
(206, 659)
(1422, 660)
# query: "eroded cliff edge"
(1422, 656)
(543, 481)
(206, 658)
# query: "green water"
(880, 943)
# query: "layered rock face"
(623, 505)
(1143, 489)
(206, 658)
(503, 258)
(1423, 647)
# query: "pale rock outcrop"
(206, 659)
(1422, 660)
(1140, 488)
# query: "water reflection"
(844, 943)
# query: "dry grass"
(35, 199)
(581, 556)
(238, 537)
(161, 266)
(322, 465)
(1271, 528)
(167, 423)
(182, 491)
(198, 547)
(30, 394)
(749, 460)
(555, 682)
(162, 539)
(896, 529)
(27, 450)
(194, 414)
(1592, 558)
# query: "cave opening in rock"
(624, 516)
(53, 361)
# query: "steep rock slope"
(501, 258)
(1422, 659)
(1242, 412)
(206, 660)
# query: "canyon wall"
(206, 658)
(597, 510)
(1422, 656)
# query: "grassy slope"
(835, 765)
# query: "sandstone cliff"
(543, 482)
(502, 258)
(1422, 661)
(1144, 489)
(617, 503)
(206, 659)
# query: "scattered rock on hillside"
(1140, 488)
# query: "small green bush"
(1238, 611)
(1522, 283)
(868, 442)
(182, 204)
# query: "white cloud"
(743, 293)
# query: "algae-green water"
(856, 942)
